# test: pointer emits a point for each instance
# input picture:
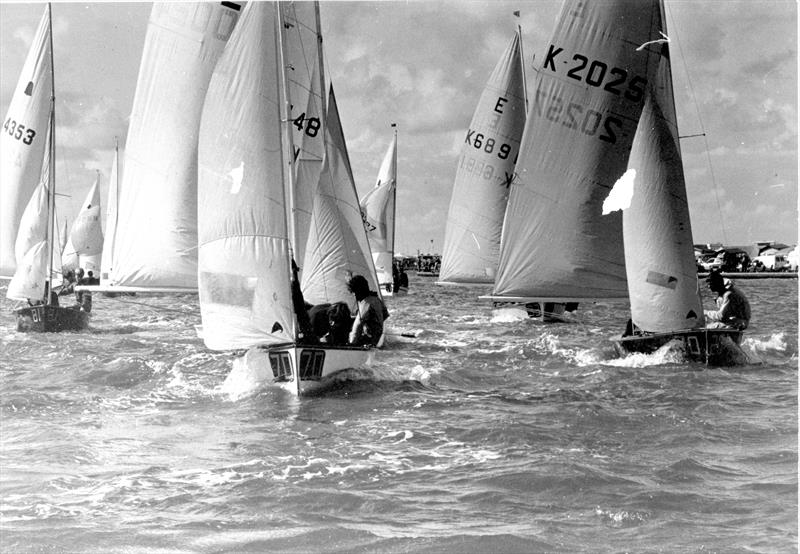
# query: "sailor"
(733, 309)
(370, 313)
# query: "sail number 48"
(19, 131)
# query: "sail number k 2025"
(596, 73)
(19, 131)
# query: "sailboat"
(485, 171)
(557, 249)
(37, 267)
(153, 246)
(379, 207)
(659, 253)
(86, 235)
(249, 203)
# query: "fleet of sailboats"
(485, 171)
(379, 207)
(266, 221)
(557, 248)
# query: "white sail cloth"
(23, 141)
(155, 242)
(245, 295)
(588, 97)
(378, 209)
(485, 171)
(87, 232)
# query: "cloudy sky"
(423, 65)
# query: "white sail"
(23, 141)
(589, 90)
(378, 209)
(87, 232)
(155, 242)
(485, 171)
(244, 287)
(337, 244)
(111, 218)
(659, 254)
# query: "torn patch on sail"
(661, 280)
(621, 194)
(236, 175)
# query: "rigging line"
(673, 31)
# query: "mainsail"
(589, 92)
(659, 255)
(485, 171)
(378, 209)
(244, 271)
(22, 141)
(155, 241)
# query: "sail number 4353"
(19, 131)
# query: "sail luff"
(106, 267)
(484, 171)
(589, 92)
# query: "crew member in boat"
(331, 323)
(83, 299)
(733, 309)
(370, 313)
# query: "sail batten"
(588, 97)
(485, 170)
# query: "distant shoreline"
(755, 275)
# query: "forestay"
(589, 91)
(156, 236)
(22, 142)
(245, 296)
(485, 171)
(659, 254)
(378, 209)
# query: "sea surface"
(481, 434)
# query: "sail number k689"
(19, 131)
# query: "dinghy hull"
(317, 363)
(50, 319)
(709, 346)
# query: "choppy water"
(478, 436)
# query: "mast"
(51, 177)
(524, 80)
(394, 201)
(321, 64)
